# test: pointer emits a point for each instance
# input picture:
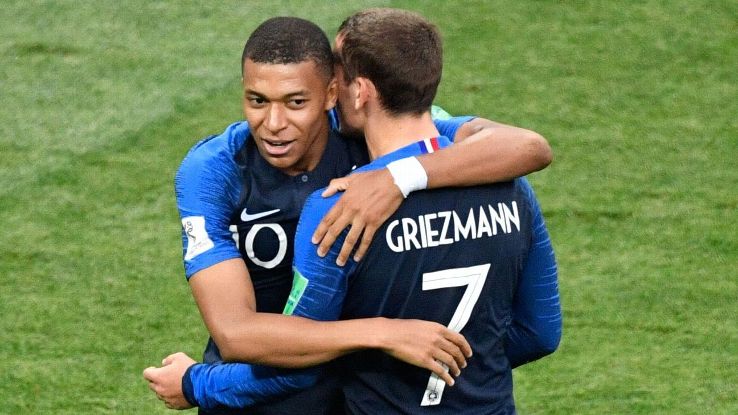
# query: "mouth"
(277, 148)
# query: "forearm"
(239, 385)
(225, 297)
(293, 342)
(489, 155)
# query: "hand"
(369, 199)
(166, 381)
(428, 345)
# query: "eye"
(297, 102)
(256, 101)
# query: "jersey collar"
(428, 145)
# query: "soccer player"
(239, 195)
(478, 259)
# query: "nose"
(276, 118)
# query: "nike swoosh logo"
(246, 217)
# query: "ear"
(365, 92)
(331, 94)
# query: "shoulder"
(346, 153)
(218, 148)
(315, 207)
(213, 155)
(522, 184)
(529, 196)
(450, 126)
(209, 175)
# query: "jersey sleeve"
(239, 385)
(207, 188)
(535, 330)
(449, 126)
(319, 285)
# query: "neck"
(386, 133)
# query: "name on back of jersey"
(447, 227)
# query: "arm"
(319, 288)
(317, 293)
(225, 297)
(183, 383)
(208, 188)
(488, 151)
(535, 330)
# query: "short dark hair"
(399, 51)
(284, 40)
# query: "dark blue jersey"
(233, 204)
(501, 261)
(455, 256)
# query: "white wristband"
(409, 175)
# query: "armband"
(408, 174)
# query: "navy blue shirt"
(466, 258)
(506, 259)
(233, 204)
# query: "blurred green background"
(639, 100)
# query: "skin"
(284, 105)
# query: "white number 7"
(474, 278)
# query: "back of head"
(399, 51)
(287, 40)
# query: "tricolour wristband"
(408, 174)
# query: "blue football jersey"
(233, 204)
(320, 288)
(466, 258)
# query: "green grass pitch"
(100, 101)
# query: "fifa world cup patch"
(198, 240)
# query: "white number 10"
(474, 278)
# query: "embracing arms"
(226, 300)
(485, 152)
(225, 297)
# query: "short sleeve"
(207, 188)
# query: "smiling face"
(285, 106)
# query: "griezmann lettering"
(447, 227)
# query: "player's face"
(285, 106)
